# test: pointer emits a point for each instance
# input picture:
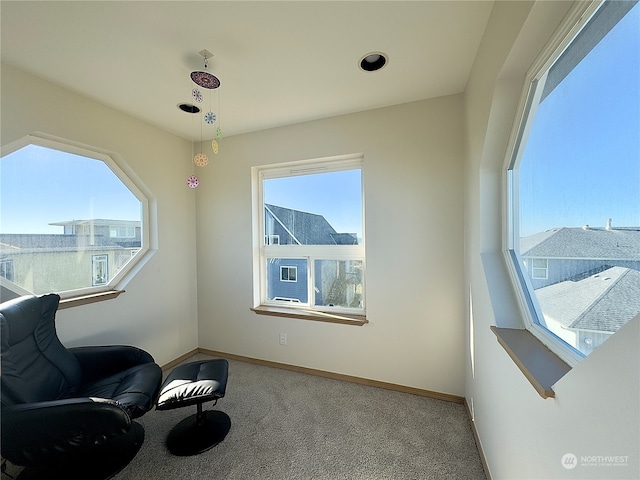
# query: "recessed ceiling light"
(187, 107)
(373, 61)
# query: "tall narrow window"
(574, 181)
(6, 269)
(311, 235)
(100, 268)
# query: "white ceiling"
(278, 62)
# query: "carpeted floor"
(288, 425)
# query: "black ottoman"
(193, 384)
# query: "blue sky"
(40, 185)
(336, 195)
(582, 160)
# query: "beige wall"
(158, 310)
(413, 182)
(597, 404)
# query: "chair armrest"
(98, 362)
(33, 432)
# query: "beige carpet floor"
(288, 425)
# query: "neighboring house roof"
(14, 242)
(590, 243)
(100, 222)
(310, 228)
(39, 240)
(602, 302)
(19, 242)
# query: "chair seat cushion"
(131, 388)
(194, 383)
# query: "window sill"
(541, 366)
(303, 314)
(86, 299)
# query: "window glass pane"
(539, 263)
(288, 273)
(578, 184)
(100, 269)
(6, 269)
(287, 279)
(312, 244)
(68, 222)
(338, 283)
(315, 209)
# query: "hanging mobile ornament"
(201, 160)
(214, 144)
(205, 79)
(219, 127)
(192, 180)
(210, 118)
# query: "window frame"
(289, 268)
(129, 232)
(99, 262)
(272, 239)
(131, 181)
(263, 251)
(528, 306)
(534, 268)
(6, 269)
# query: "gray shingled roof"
(602, 302)
(15, 242)
(591, 243)
(310, 228)
(99, 222)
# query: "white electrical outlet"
(283, 339)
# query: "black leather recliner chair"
(69, 409)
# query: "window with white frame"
(539, 268)
(67, 209)
(122, 232)
(574, 185)
(289, 274)
(315, 211)
(6, 269)
(100, 269)
(272, 240)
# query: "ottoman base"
(198, 433)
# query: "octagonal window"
(574, 186)
(71, 221)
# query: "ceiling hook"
(207, 55)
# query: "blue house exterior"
(281, 286)
(287, 277)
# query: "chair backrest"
(35, 365)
